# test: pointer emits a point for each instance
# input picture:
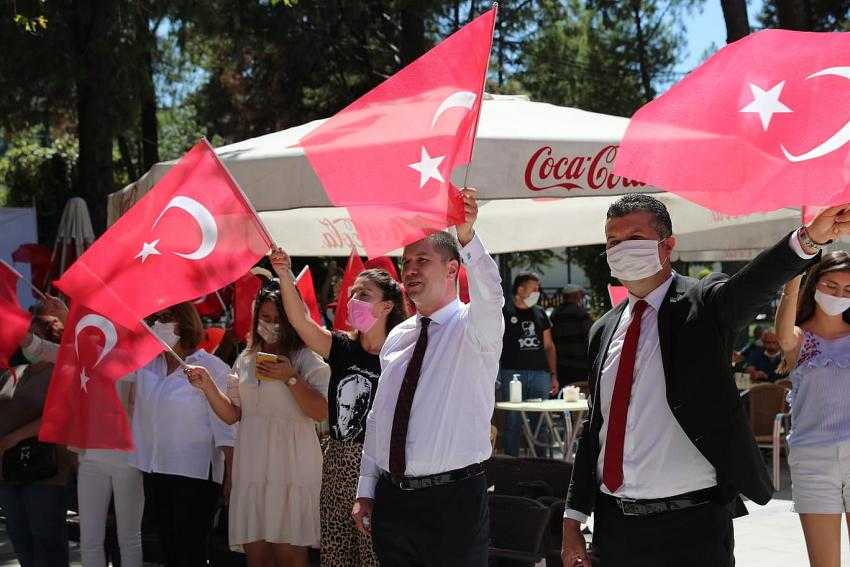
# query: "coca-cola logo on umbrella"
(545, 170)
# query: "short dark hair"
(445, 244)
(643, 203)
(524, 277)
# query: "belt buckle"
(404, 484)
(629, 507)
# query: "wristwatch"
(806, 240)
(292, 380)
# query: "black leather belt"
(631, 507)
(430, 481)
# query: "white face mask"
(167, 332)
(830, 304)
(532, 299)
(269, 332)
(633, 260)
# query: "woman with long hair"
(375, 306)
(814, 332)
(277, 395)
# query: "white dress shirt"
(450, 419)
(659, 460)
(174, 428)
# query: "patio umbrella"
(74, 235)
(544, 174)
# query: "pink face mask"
(360, 315)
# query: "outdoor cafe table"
(547, 408)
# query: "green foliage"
(36, 169)
(592, 260)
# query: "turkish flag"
(244, 292)
(383, 263)
(352, 270)
(192, 234)
(389, 156)
(209, 305)
(304, 283)
(82, 408)
(763, 124)
(14, 319)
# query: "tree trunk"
(737, 21)
(94, 42)
(645, 77)
(412, 43)
(793, 14)
(147, 92)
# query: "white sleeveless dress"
(277, 464)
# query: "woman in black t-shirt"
(375, 306)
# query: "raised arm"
(485, 284)
(316, 337)
(786, 313)
(223, 406)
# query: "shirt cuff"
(794, 241)
(473, 250)
(366, 487)
(576, 515)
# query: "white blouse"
(175, 430)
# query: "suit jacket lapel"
(665, 330)
(605, 342)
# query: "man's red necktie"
(612, 469)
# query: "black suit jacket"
(697, 323)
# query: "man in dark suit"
(667, 449)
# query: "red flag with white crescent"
(192, 234)
(761, 125)
(390, 155)
(82, 408)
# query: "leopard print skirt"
(342, 544)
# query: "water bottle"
(516, 389)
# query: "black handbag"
(29, 461)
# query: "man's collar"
(444, 314)
(656, 296)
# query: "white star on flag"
(84, 380)
(766, 103)
(148, 248)
(427, 167)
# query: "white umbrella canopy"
(544, 175)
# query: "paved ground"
(769, 537)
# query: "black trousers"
(701, 536)
(443, 526)
(183, 508)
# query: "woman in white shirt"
(274, 505)
(181, 445)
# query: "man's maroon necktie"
(612, 468)
(401, 419)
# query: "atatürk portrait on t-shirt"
(352, 399)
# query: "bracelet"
(806, 241)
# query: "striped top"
(820, 393)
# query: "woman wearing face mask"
(527, 350)
(374, 308)
(814, 333)
(274, 505)
(181, 445)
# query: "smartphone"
(264, 357)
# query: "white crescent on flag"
(110, 336)
(838, 139)
(205, 220)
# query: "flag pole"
(19, 275)
(244, 197)
(481, 99)
(221, 301)
(165, 345)
(300, 274)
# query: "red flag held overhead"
(390, 155)
(305, 285)
(192, 234)
(763, 124)
(352, 270)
